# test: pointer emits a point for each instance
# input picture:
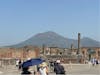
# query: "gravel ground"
(72, 69)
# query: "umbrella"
(32, 62)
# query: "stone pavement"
(71, 69)
(82, 69)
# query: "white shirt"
(17, 62)
(42, 71)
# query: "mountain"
(53, 39)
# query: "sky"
(22, 19)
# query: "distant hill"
(51, 39)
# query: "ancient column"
(78, 52)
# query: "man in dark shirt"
(59, 69)
(25, 71)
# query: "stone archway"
(90, 53)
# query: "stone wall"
(19, 53)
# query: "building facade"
(51, 53)
(68, 55)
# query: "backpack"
(59, 69)
(62, 71)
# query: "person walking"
(58, 68)
(25, 71)
(43, 69)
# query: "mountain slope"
(53, 39)
(88, 42)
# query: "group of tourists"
(42, 69)
(94, 61)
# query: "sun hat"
(58, 61)
(44, 64)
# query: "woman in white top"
(43, 69)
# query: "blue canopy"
(32, 62)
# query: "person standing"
(93, 61)
(97, 62)
(17, 63)
(58, 68)
(20, 64)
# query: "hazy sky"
(22, 19)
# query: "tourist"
(51, 65)
(93, 61)
(20, 64)
(17, 63)
(25, 71)
(58, 68)
(43, 70)
(97, 62)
